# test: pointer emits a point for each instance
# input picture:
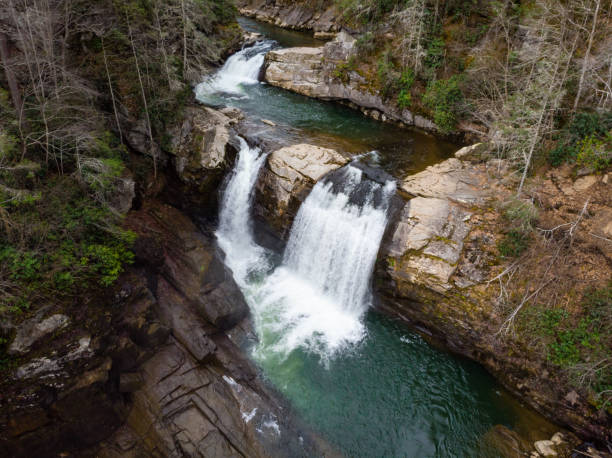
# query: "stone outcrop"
(202, 151)
(291, 15)
(312, 72)
(438, 269)
(152, 359)
(285, 181)
(35, 329)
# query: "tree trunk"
(586, 55)
(10, 76)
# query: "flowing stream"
(366, 383)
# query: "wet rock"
(250, 38)
(287, 178)
(545, 448)
(33, 330)
(202, 152)
(130, 381)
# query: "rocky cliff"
(314, 72)
(439, 267)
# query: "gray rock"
(200, 144)
(123, 194)
(287, 178)
(311, 72)
(45, 366)
(451, 179)
(545, 448)
(428, 241)
(34, 330)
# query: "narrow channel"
(366, 383)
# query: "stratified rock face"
(289, 174)
(297, 69)
(452, 179)
(159, 338)
(202, 152)
(439, 265)
(34, 330)
(428, 242)
(291, 15)
(311, 72)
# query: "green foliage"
(435, 53)
(594, 153)
(443, 98)
(387, 74)
(343, 69)
(406, 80)
(520, 215)
(60, 245)
(582, 343)
(513, 244)
(587, 141)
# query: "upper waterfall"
(242, 68)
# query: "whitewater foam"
(241, 69)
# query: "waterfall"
(242, 68)
(333, 242)
(235, 232)
(316, 298)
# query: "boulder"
(199, 146)
(33, 330)
(288, 176)
(124, 191)
(428, 242)
(297, 69)
(202, 151)
(451, 179)
(545, 448)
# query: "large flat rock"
(289, 174)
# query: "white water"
(241, 69)
(235, 233)
(316, 298)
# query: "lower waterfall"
(315, 299)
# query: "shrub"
(594, 153)
(586, 141)
(513, 244)
(521, 214)
(443, 97)
(405, 83)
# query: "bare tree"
(587, 53)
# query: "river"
(368, 384)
